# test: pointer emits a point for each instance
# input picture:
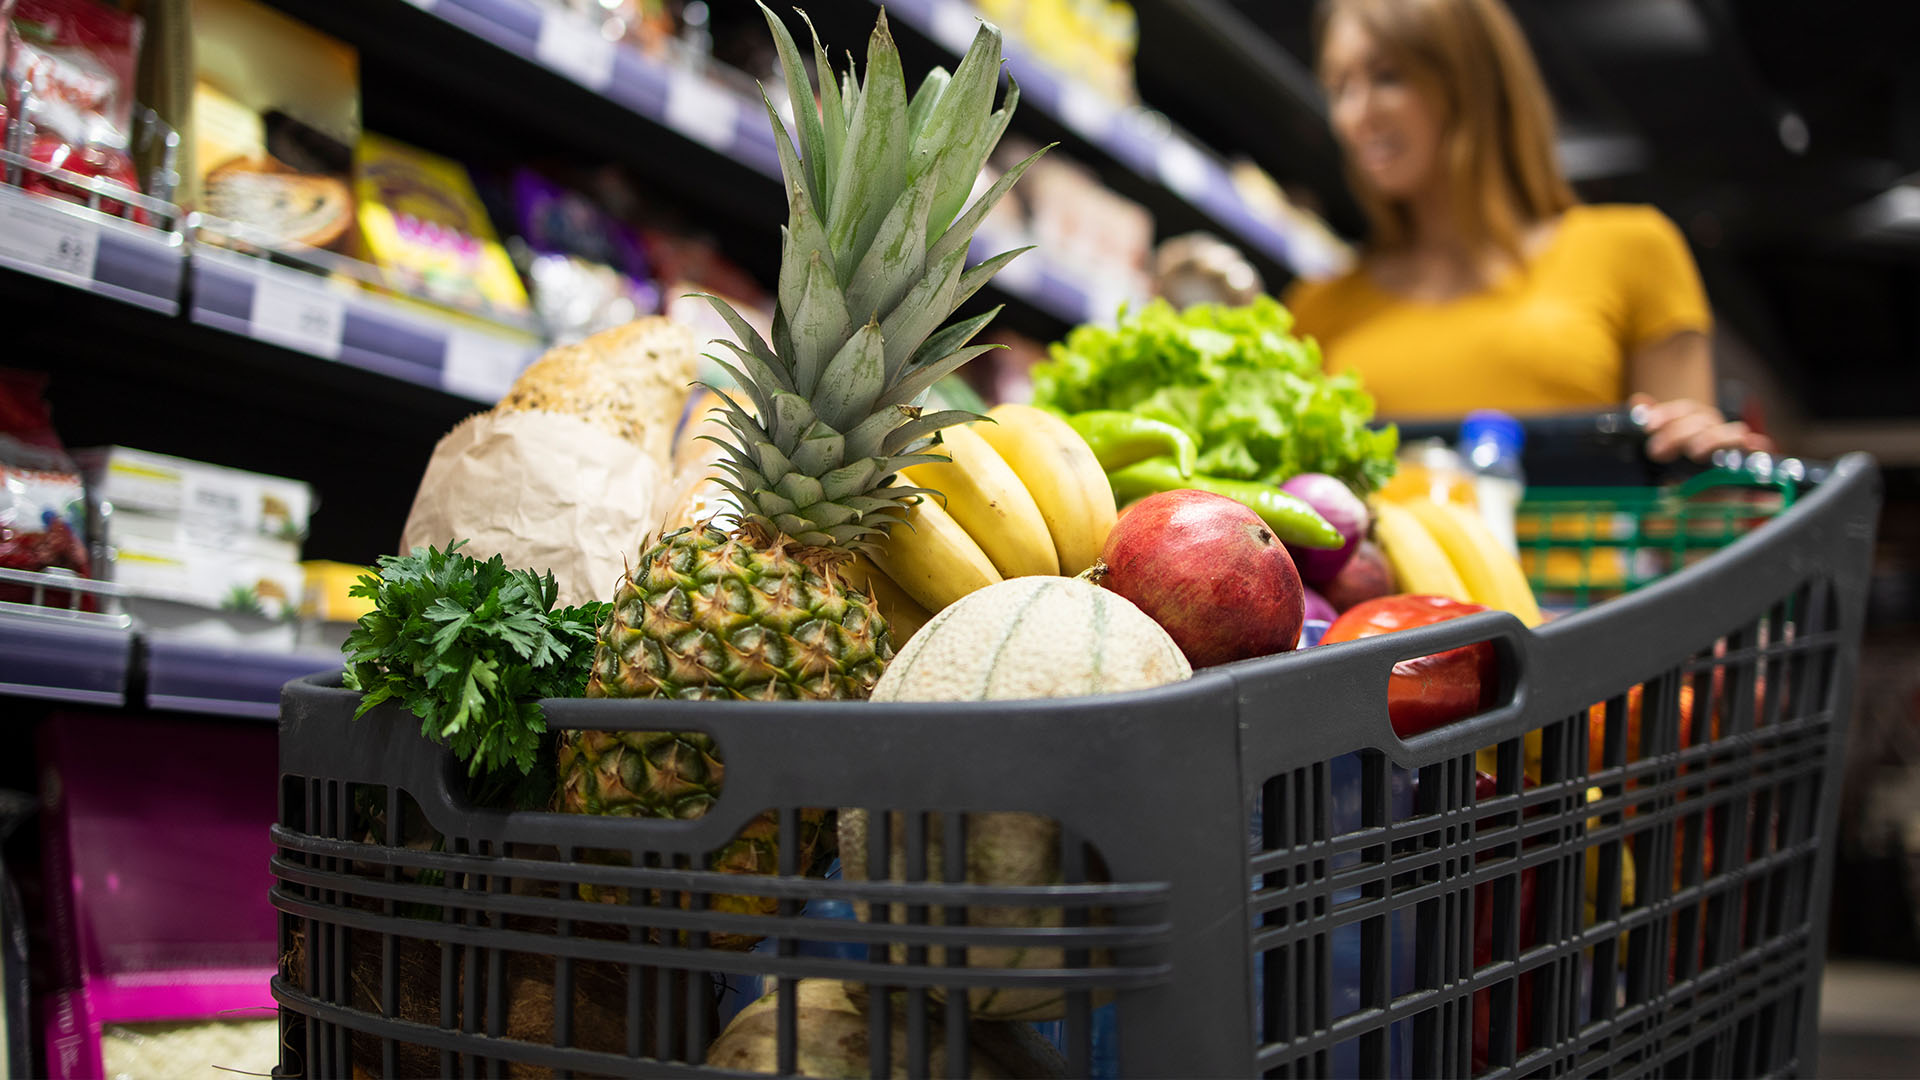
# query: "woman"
(1485, 284)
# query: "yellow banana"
(985, 496)
(1064, 478)
(932, 558)
(1489, 571)
(1419, 564)
(903, 613)
(1590, 898)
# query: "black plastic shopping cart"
(1619, 869)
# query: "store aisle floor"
(1870, 1021)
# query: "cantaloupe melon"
(1033, 637)
(1030, 637)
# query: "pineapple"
(872, 265)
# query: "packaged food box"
(423, 224)
(328, 587)
(328, 613)
(173, 500)
(163, 941)
(208, 577)
(268, 111)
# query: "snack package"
(268, 111)
(69, 74)
(42, 498)
(586, 270)
(423, 223)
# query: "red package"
(42, 497)
(69, 73)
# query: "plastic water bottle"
(1490, 444)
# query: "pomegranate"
(1207, 569)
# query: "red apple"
(1212, 573)
(1366, 576)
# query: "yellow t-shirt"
(1553, 336)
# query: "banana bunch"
(1022, 495)
(1445, 549)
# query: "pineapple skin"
(709, 615)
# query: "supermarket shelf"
(1136, 139)
(60, 653)
(717, 117)
(149, 269)
(251, 297)
(70, 244)
(102, 657)
(718, 112)
(219, 681)
(56, 659)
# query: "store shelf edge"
(113, 258)
(44, 659)
(233, 293)
(214, 680)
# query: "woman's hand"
(1683, 427)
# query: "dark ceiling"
(1776, 132)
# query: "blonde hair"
(1499, 145)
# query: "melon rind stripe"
(1013, 625)
(1099, 624)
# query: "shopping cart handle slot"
(1284, 704)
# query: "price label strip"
(701, 110)
(310, 319)
(954, 25)
(48, 241)
(574, 47)
(1086, 111)
(482, 366)
(1183, 168)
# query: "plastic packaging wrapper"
(69, 74)
(42, 498)
(586, 269)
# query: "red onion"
(1343, 510)
(1319, 608)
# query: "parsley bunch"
(470, 648)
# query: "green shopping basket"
(1581, 545)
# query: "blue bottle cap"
(1503, 430)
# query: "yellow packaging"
(216, 69)
(422, 222)
(326, 594)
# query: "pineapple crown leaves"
(469, 647)
(873, 263)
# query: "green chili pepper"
(1290, 518)
(1120, 438)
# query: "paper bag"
(544, 491)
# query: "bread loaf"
(631, 381)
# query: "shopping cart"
(1447, 905)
